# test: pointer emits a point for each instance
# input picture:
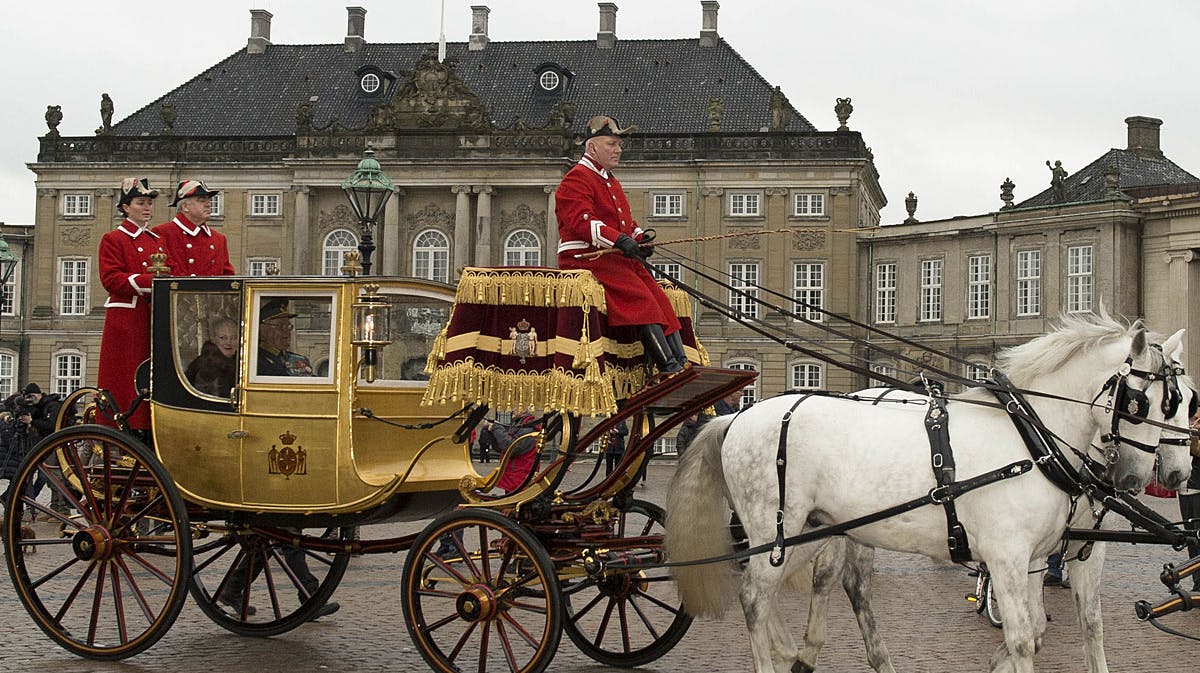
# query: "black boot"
(676, 343)
(655, 343)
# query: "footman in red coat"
(193, 249)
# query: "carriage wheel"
(255, 585)
(486, 600)
(108, 571)
(991, 609)
(627, 619)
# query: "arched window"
(431, 256)
(67, 369)
(337, 243)
(522, 248)
(8, 373)
(750, 392)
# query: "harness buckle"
(940, 495)
(779, 517)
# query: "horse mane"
(1076, 333)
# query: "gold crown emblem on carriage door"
(285, 460)
(524, 340)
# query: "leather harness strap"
(937, 425)
(781, 474)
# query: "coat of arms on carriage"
(524, 338)
(285, 460)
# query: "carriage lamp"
(368, 190)
(372, 328)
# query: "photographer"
(43, 409)
(36, 415)
(17, 437)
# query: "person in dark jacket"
(1189, 502)
(616, 446)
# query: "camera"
(21, 404)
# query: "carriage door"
(289, 455)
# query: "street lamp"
(368, 190)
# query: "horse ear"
(1138, 347)
(1173, 346)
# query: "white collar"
(193, 232)
(602, 172)
(132, 230)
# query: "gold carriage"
(262, 470)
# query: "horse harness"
(1131, 402)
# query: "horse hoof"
(801, 667)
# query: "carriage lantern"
(372, 328)
(368, 190)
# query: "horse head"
(1173, 458)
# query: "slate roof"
(1087, 184)
(662, 86)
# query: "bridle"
(1126, 402)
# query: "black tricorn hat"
(190, 188)
(601, 125)
(131, 188)
(274, 308)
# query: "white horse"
(843, 456)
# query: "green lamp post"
(368, 190)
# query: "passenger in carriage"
(124, 259)
(593, 214)
(214, 371)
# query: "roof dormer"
(373, 82)
(550, 80)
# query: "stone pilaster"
(550, 254)
(301, 234)
(462, 226)
(389, 250)
(483, 226)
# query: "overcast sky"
(952, 95)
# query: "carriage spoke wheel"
(627, 619)
(480, 594)
(107, 574)
(253, 584)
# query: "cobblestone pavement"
(924, 618)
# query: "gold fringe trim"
(437, 352)
(705, 360)
(549, 288)
(681, 302)
(593, 394)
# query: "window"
(885, 371)
(549, 80)
(808, 205)
(1079, 278)
(743, 276)
(337, 243)
(218, 205)
(977, 372)
(8, 373)
(665, 446)
(264, 205)
(979, 286)
(370, 83)
(806, 376)
(77, 205)
(750, 392)
(931, 289)
(68, 371)
(885, 292)
(667, 205)
(744, 204)
(8, 294)
(522, 249)
(431, 256)
(1029, 282)
(260, 266)
(73, 285)
(671, 270)
(808, 289)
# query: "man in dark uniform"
(593, 214)
(274, 339)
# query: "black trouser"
(1189, 509)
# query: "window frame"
(259, 202)
(10, 297)
(931, 295)
(795, 375)
(1080, 283)
(330, 347)
(885, 295)
(78, 289)
(56, 377)
(340, 249)
(808, 195)
(675, 204)
(264, 262)
(13, 360)
(744, 306)
(217, 201)
(979, 287)
(672, 270)
(750, 393)
(1028, 294)
(526, 255)
(77, 198)
(817, 291)
(745, 196)
(435, 257)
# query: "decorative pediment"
(522, 216)
(432, 215)
(433, 96)
(340, 216)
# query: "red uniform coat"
(592, 211)
(194, 250)
(124, 255)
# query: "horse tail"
(697, 524)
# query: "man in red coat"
(593, 214)
(124, 259)
(193, 249)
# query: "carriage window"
(416, 321)
(207, 339)
(292, 333)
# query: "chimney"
(607, 37)
(356, 21)
(708, 24)
(479, 36)
(1143, 136)
(260, 31)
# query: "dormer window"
(550, 80)
(373, 82)
(370, 83)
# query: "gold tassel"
(437, 352)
